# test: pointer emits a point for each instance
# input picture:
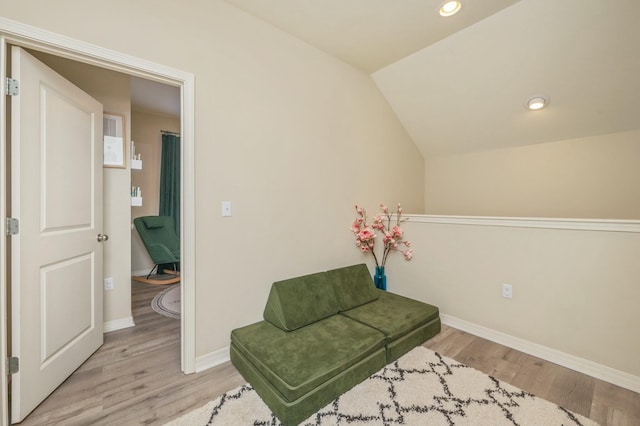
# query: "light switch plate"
(226, 208)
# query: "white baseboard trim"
(212, 359)
(140, 272)
(590, 368)
(118, 324)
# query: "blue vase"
(380, 279)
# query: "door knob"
(102, 237)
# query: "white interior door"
(56, 262)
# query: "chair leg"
(151, 271)
(165, 268)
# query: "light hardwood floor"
(603, 402)
(135, 378)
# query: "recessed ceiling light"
(450, 7)
(537, 102)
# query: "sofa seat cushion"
(296, 362)
(293, 412)
(393, 315)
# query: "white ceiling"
(147, 95)
(458, 84)
(369, 34)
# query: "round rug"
(167, 302)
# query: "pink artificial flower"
(392, 236)
(366, 234)
(388, 238)
(377, 223)
(408, 254)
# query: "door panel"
(63, 208)
(63, 323)
(56, 263)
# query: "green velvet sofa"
(324, 333)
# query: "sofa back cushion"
(353, 286)
(300, 301)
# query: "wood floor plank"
(450, 341)
(603, 402)
(611, 396)
(530, 376)
(612, 405)
(573, 391)
(135, 378)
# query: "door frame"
(16, 33)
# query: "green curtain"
(170, 178)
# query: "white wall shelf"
(136, 201)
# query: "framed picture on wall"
(113, 133)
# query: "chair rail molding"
(608, 225)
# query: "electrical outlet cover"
(507, 291)
(108, 283)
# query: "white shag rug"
(167, 302)
(420, 388)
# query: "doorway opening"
(155, 178)
(13, 33)
(155, 212)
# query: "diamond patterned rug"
(421, 388)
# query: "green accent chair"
(324, 333)
(160, 239)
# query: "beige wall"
(594, 177)
(573, 291)
(292, 136)
(112, 89)
(145, 131)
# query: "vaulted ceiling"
(369, 34)
(460, 83)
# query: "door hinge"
(11, 86)
(13, 365)
(13, 226)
